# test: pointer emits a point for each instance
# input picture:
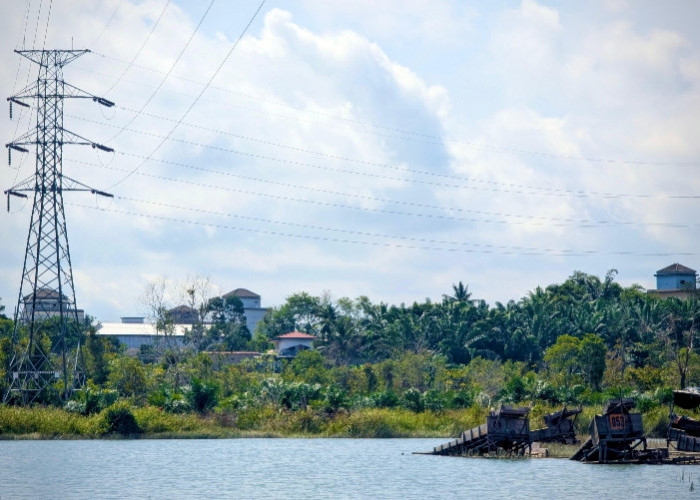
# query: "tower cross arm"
(60, 57)
(75, 92)
(70, 184)
(73, 138)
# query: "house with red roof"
(292, 343)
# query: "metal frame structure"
(46, 307)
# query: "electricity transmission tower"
(46, 337)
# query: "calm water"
(310, 468)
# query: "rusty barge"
(616, 436)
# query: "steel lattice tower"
(47, 331)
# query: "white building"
(292, 343)
(134, 332)
(251, 306)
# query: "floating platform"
(507, 431)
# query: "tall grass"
(46, 423)
(274, 421)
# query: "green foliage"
(383, 370)
(228, 330)
(128, 376)
(118, 419)
(308, 366)
(47, 422)
(335, 399)
(96, 354)
(91, 401)
(168, 400)
(413, 400)
(202, 396)
(385, 399)
(572, 360)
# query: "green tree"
(307, 366)
(228, 330)
(563, 359)
(591, 359)
(128, 376)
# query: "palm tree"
(460, 293)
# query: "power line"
(309, 226)
(48, 19)
(510, 188)
(29, 71)
(138, 53)
(414, 135)
(109, 21)
(150, 98)
(196, 100)
(485, 249)
(557, 222)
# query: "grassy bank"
(151, 422)
(122, 420)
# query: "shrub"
(202, 396)
(434, 400)
(336, 398)
(386, 399)
(413, 400)
(91, 401)
(461, 399)
(118, 419)
(169, 400)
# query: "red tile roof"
(295, 335)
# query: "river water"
(312, 468)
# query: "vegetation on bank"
(429, 369)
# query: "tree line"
(570, 343)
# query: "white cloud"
(327, 117)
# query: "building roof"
(295, 335)
(44, 294)
(183, 309)
(242, 293)
(674, 269)
(120, 329)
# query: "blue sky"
(387, 149)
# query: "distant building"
(133, 332)
(675, 280)
(251, 306)
(184, 315)
(292, 343)
(47, 304)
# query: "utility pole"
(46, 338)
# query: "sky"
(388, 149)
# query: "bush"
(169, 400)
(335, 399)
(90, 401)
(118, 419)
(461, 399)
(202, 396)
(413, 400)
(434, 400)
(386, 399)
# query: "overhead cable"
(517, 251)
(196, 100)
